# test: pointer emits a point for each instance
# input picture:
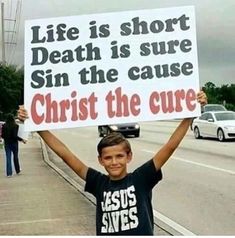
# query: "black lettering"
(73, 33)
(104, 30)
(124, 50)
(171, 46)
(38, 81)
(44, 55)
(92, 51)
(139, 27)
(93, 30)
(145, 51)
(183, 25)
(185, 45)
(159, 48)
(83, 75)
(125, 29)
(50, 33)
(175, 69)
(133, 73)
(114, 50)
(35, 32)
(146, 72)
(60, 32)
(161, 70)
(186, 68)
(156, 26)
(169, 24)
(53, 55)
(67, 56)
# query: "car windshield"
(225, 116)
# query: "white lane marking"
(173, 224)
(167, 220)
(28, 222)
(196, 163)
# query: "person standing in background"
(11, 145)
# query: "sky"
(215, 24)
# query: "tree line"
(11, 88)
(221, 95)
(12, 83)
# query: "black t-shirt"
(124, 206)
(9, 134)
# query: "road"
(197, 193)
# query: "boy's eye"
(120, 156)
(108, 158)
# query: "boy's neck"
(117, 178)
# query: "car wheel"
(197, 133)
(220, 135)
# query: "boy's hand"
(202, 98)
(22, 113)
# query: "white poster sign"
(22, 133)
(111, 68)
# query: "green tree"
(11, 85)
(221, 95)
(210, 90)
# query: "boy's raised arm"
(167, 150)
(59, 148)
(64, 153)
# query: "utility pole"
(3, 32)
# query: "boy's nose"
(114, 160)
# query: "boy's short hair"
(114, 138)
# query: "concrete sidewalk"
(40, 202)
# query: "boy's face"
(115, 159)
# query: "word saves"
(119, 210)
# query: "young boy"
(123, 199)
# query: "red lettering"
(170, 101)
(51, 110)
(64, 106)
(35, 117)
(179, 96)
(58, 111)
(167, 102)
(110, 98)
(120, 105)
(191, 99)
(92, 99)
(83, 109)
(134, 105)
(74, 107)
(154, 99)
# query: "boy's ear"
(129, 157)
(100, 160)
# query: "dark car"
(125, 128)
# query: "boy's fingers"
(22, 113)
(202, 98)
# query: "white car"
(213, 107)
(217, 124)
